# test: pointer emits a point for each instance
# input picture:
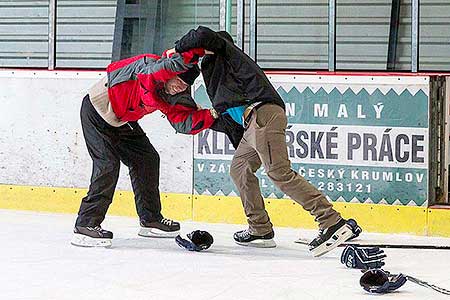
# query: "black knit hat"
(190, 75)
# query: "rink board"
(45, 165)
(228, 209)
(42, 144)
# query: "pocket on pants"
(269, 149)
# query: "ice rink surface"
(38, 262)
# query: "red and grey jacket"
(135, 85)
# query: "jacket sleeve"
(184, 119)
(189, 120)
(202, 37)
(164, 68)
(233, 130)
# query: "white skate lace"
(244, 234)
(167, 222)
(320, 236)
(98, 228)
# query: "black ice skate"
(91, 237)
(245, 238)
(161, 228)
(330, 238)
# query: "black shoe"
(245, 238)
(162, 228)
(330, 238)
(91, 237)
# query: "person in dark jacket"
(133, 88)
(252, 114)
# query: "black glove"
(199, 240)
(380, 281)
(363, 258)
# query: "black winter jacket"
(231, 77)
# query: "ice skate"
(356, 229)
(330, 238)
(91, 237)
(164, 228)
(245, 238)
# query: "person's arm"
(185, 119)
(167, 67)
(189, 120)
(202, 37)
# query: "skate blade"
(157, 233)
(339, 237)
(259, 243)
(80, 240)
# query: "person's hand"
(170, 52)
(214, 113)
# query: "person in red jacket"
(133, 88)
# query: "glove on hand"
(199, 240)
(380, 281)
(363, 257)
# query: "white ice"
(38, 262)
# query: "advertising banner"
(358, 139)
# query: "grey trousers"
(264, 142)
